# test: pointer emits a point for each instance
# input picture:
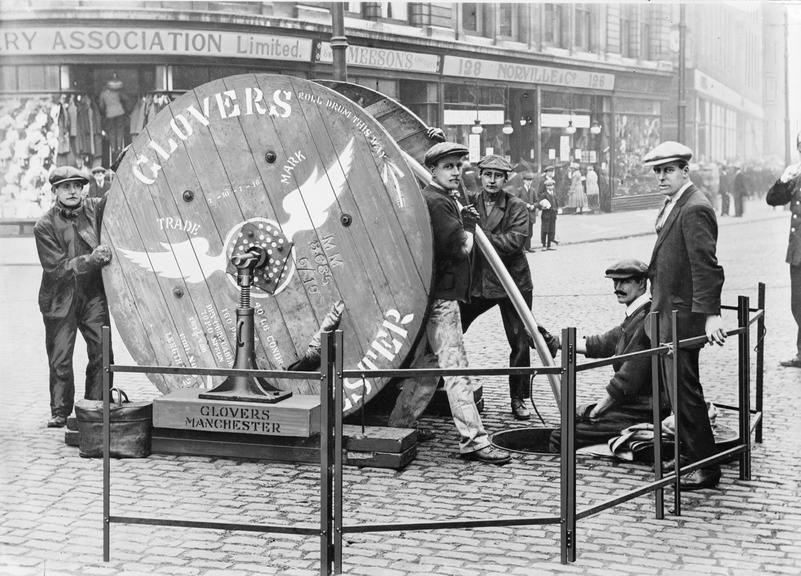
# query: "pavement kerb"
(727, 222)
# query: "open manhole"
(523, 440)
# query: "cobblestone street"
(51, 506)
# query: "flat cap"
(628, 268)
(528, 175)
(668, 151)
(549, 168)
(67, 174)
(98, 169)
(443, 149)
(494, 162)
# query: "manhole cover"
(523, 440)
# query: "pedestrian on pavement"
(685, 276)
(453, 243)
(576, 197)
(627, 399)
(504, 219)
(528, 194)
(787, 189)
(547, 204)
(740, 191)
(593, 190)
(723, 189)
(71, 295)
(100, 184)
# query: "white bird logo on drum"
(307, 208)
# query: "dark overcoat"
(506, 227)
(779, 194)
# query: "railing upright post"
(760, 360)
(568, 449)
(674, 384)
(656, 394)
(743, 317)
(338, 451)
(106, 345)
(326, 508)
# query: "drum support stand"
(246, 388)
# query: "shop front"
(78, 94)
(536, 116)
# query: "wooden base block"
(72, 423)
(380, 459)
(378, 447)
(297, 416)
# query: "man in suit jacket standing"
(505, 220)
(71, 296)
(787, 189)
(685, 276)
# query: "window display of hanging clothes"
(112, 109)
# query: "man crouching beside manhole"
(453, 241)
(627, 400)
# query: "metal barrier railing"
(332, 375)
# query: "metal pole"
(787, 146)
(745, 386)
(106, 344)
(567, 477)
(326, 378)
(339, 42)
(760, 361)
(339, 495)
(674, 383)
(682, 104)
(659, 493)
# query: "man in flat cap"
(71, 295)
(787, 189)
(453, 230)
(504, 219)
(528, 194)
(627, 399)
(685, 276)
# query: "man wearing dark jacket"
(504, 218)
(71, 295)
(453, 242)
(787, 189)
(686, 277)
(628, 396)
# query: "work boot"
(489, 454)
(794, 362)
(701, 478)
(57, 422)
(670, 465)
(519, 409)
(551, 341)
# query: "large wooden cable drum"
(297, 169)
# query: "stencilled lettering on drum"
(187, 381)
(229, 190)
(264, 324)
(316, 270)
(218, 341)
(178, 223)
(223, 105)
(307, 97)
(291, 163)
(389, 340)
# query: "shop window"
(470, 16)
(505, 20)
(189, 77)
(583, 23)
(556, 25)
(384, 10)
(30, 79)
(627, 36)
